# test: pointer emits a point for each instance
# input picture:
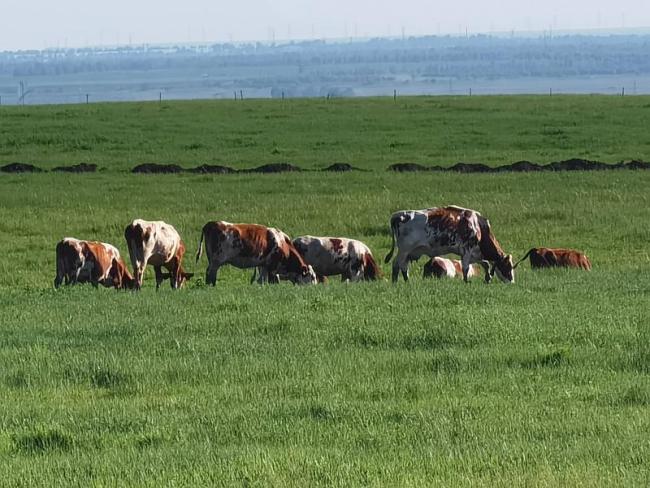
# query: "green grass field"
(545, 382)
(369, 133)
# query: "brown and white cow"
(252, 246)
(546, 257)
(447, 268)
(331, 256)
(442, 230)
(159, 244)
(79, 261)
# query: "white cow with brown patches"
(443, 230)
(159, 244)
(331, 256)
(252, 246)
(80, 261)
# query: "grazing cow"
(447, 268)
(545, 257)
(158, 244)
(253, 246)
(99, 263)
(438, 231)
(330, 256)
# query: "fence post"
(550, 92)
(394, 95)
(470, 92)
(235, 92)
(241, 94)
(159, 97)
(86, 99)
(623, 92)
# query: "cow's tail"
(394, 223)
(199, 251)
(522, 259)
(371, 270)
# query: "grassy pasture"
(369, 133)
(544, 382)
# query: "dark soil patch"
(520, 166)
(77, 168)
(577, 165)
(20, 168)
(407, 167)
(153, 168)
(471, 168)
(274, 168)
(340, 167)
(213, 169)
(635, 165)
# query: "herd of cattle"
(305, 260)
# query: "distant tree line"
(293, 64)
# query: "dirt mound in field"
(407, 167)
(20, 168)
(520, 167)
(274, 168)
(470, 168)
(635, 164)
(153, 168)
(77, 168)
(577, 164)
(213, 169)
(340, 167)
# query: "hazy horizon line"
(513, 33)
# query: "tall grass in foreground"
(542, 382)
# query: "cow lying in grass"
(98, 263)
(545, 257)
(447, 268)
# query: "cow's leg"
(262, 275)
(486, 267)
(140, 275)
(175, 277)
(59, 279)
(466, 261)
(401, 263)
(159, 276)
(211, 273)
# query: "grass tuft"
(43, 442)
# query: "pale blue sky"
(29, 24)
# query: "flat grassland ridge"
(545, 382)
